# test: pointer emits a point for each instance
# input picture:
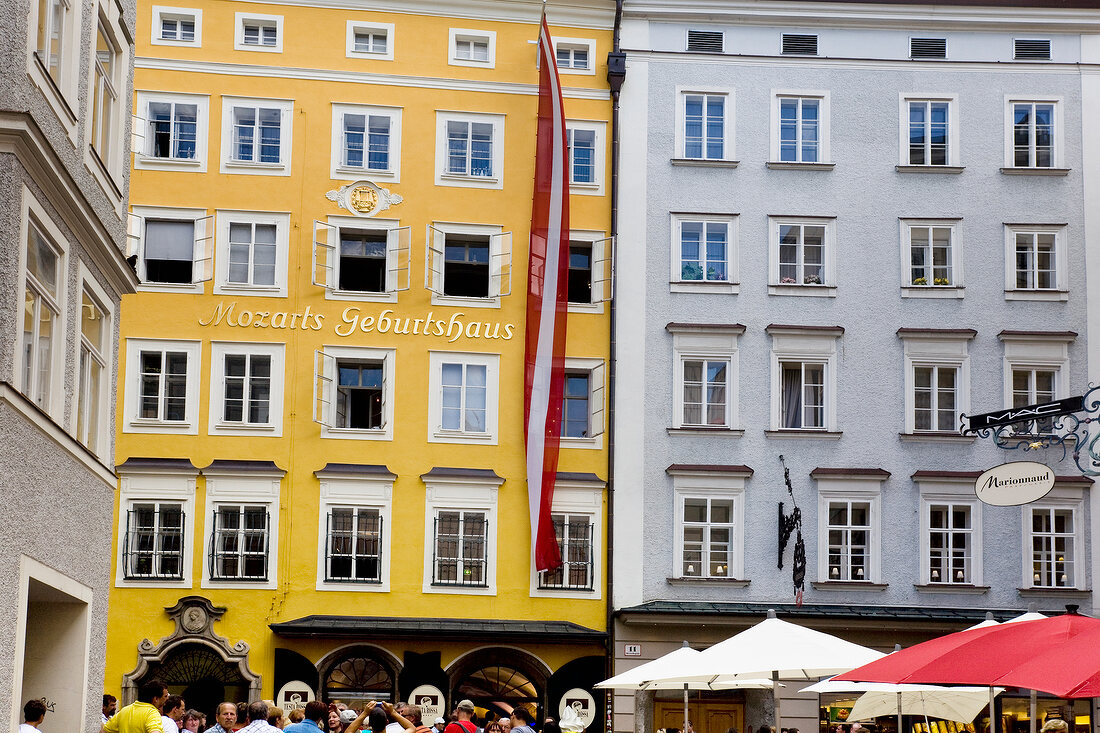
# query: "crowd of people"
(158, 711)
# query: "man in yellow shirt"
(144, 715)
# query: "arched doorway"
(201, 676)
(358, 674)
(500, 678)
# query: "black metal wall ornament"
(1057, 424)
(792, 524)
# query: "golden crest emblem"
(363, 199)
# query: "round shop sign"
(294, 696)
(1013, 484)
(583, 704)
(431, 702)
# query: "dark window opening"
(466, 266)
(359, 395)
(362, 261)
(580, 272)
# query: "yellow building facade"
(320, 404)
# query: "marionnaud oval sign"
(1012, 484)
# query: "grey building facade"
(65, 81)
(844, 225)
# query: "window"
(370, 40)
(582, 402)
(937, 379)
(800, 44)
(801, 129)
(585, 144)
(927, 48)
(259, 33)
(580, 272)
(54, 56)
(575, 55)
(463, 398)
(176, 26)
(849, 527)
(240, 542)
(950, 543)
(930, 259)
(710, 532)
(929, 132)
(353, 545)
(93, 372)
(802, 256)
(256, 136)
(575, 514)
(1031, 49)
(1053, 537)
(43, 334)
(460, 552)
(704, 126)
(246, 388)
(352, 261)
(154, 541)
(469, 150)
(705, 41)
(472, 48)
(106, 125)
(707, 537)
(574, 538)
(51, 50)
(1036, 370)
(849, 535)
(174, 247)
(460, 519)
(469, 261)
(366, 140)
(162, 386)
(170, 131)
(1032, 135)
(252, 249)
(1035, 262)
(705, 395)
(1031, 386)
(804, 379)
(589, 271)
(354, 392)
(704, 251)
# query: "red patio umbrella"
(1058, 655)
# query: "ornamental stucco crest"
(364, 198)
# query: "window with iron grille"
(353, 545)
(573, 533)
(707, 41)
(800, 44)
(460, 549)
(239, 543)
(152, 548)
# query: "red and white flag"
(547, 291)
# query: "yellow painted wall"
(314, 39)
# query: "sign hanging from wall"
(582, 703)
(431, 702)
(294, 696)
(1013, 484)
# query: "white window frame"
(688, 484)
(497, 263)
(340, 171)
(229, 164)
(222, 219)
(328, 382)
(936, 350)
(33, 213)
(577, 498)
(953, 491)
(396, 258)
(849, 488)
(597, 402)
(599, 165)
(707, 344)
(728, 127)
(957, 286)
(164, 12)
(62, 98)
(442, 177)
(240, 19)
(954, 157)
(1058, 498)
(1060, 292)
(340, 490)
(143, 158)
(454, 35)
(133, 422)
(218, 351)
(105, 447)
(1037, 353)
(807, 347)
(826, 289)
(436, 433)
(109, 167)
(156, 485)
(204, 233)
(1058, 158)
(587, 44)
(732, 283)
(601, 275)
(475, 494)
(824, 113)
(356, 26)
(244, 488)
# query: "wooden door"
(710, 716)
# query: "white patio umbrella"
(989, 621)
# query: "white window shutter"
(433, 260)
(204, 250)
(603, 276)
(500, 264)
(597, 379)
(382, 407)
(398, 259)
(324, 369)
(138, 128)
(135, 226)
(324, 255)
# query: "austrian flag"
(547, 291)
